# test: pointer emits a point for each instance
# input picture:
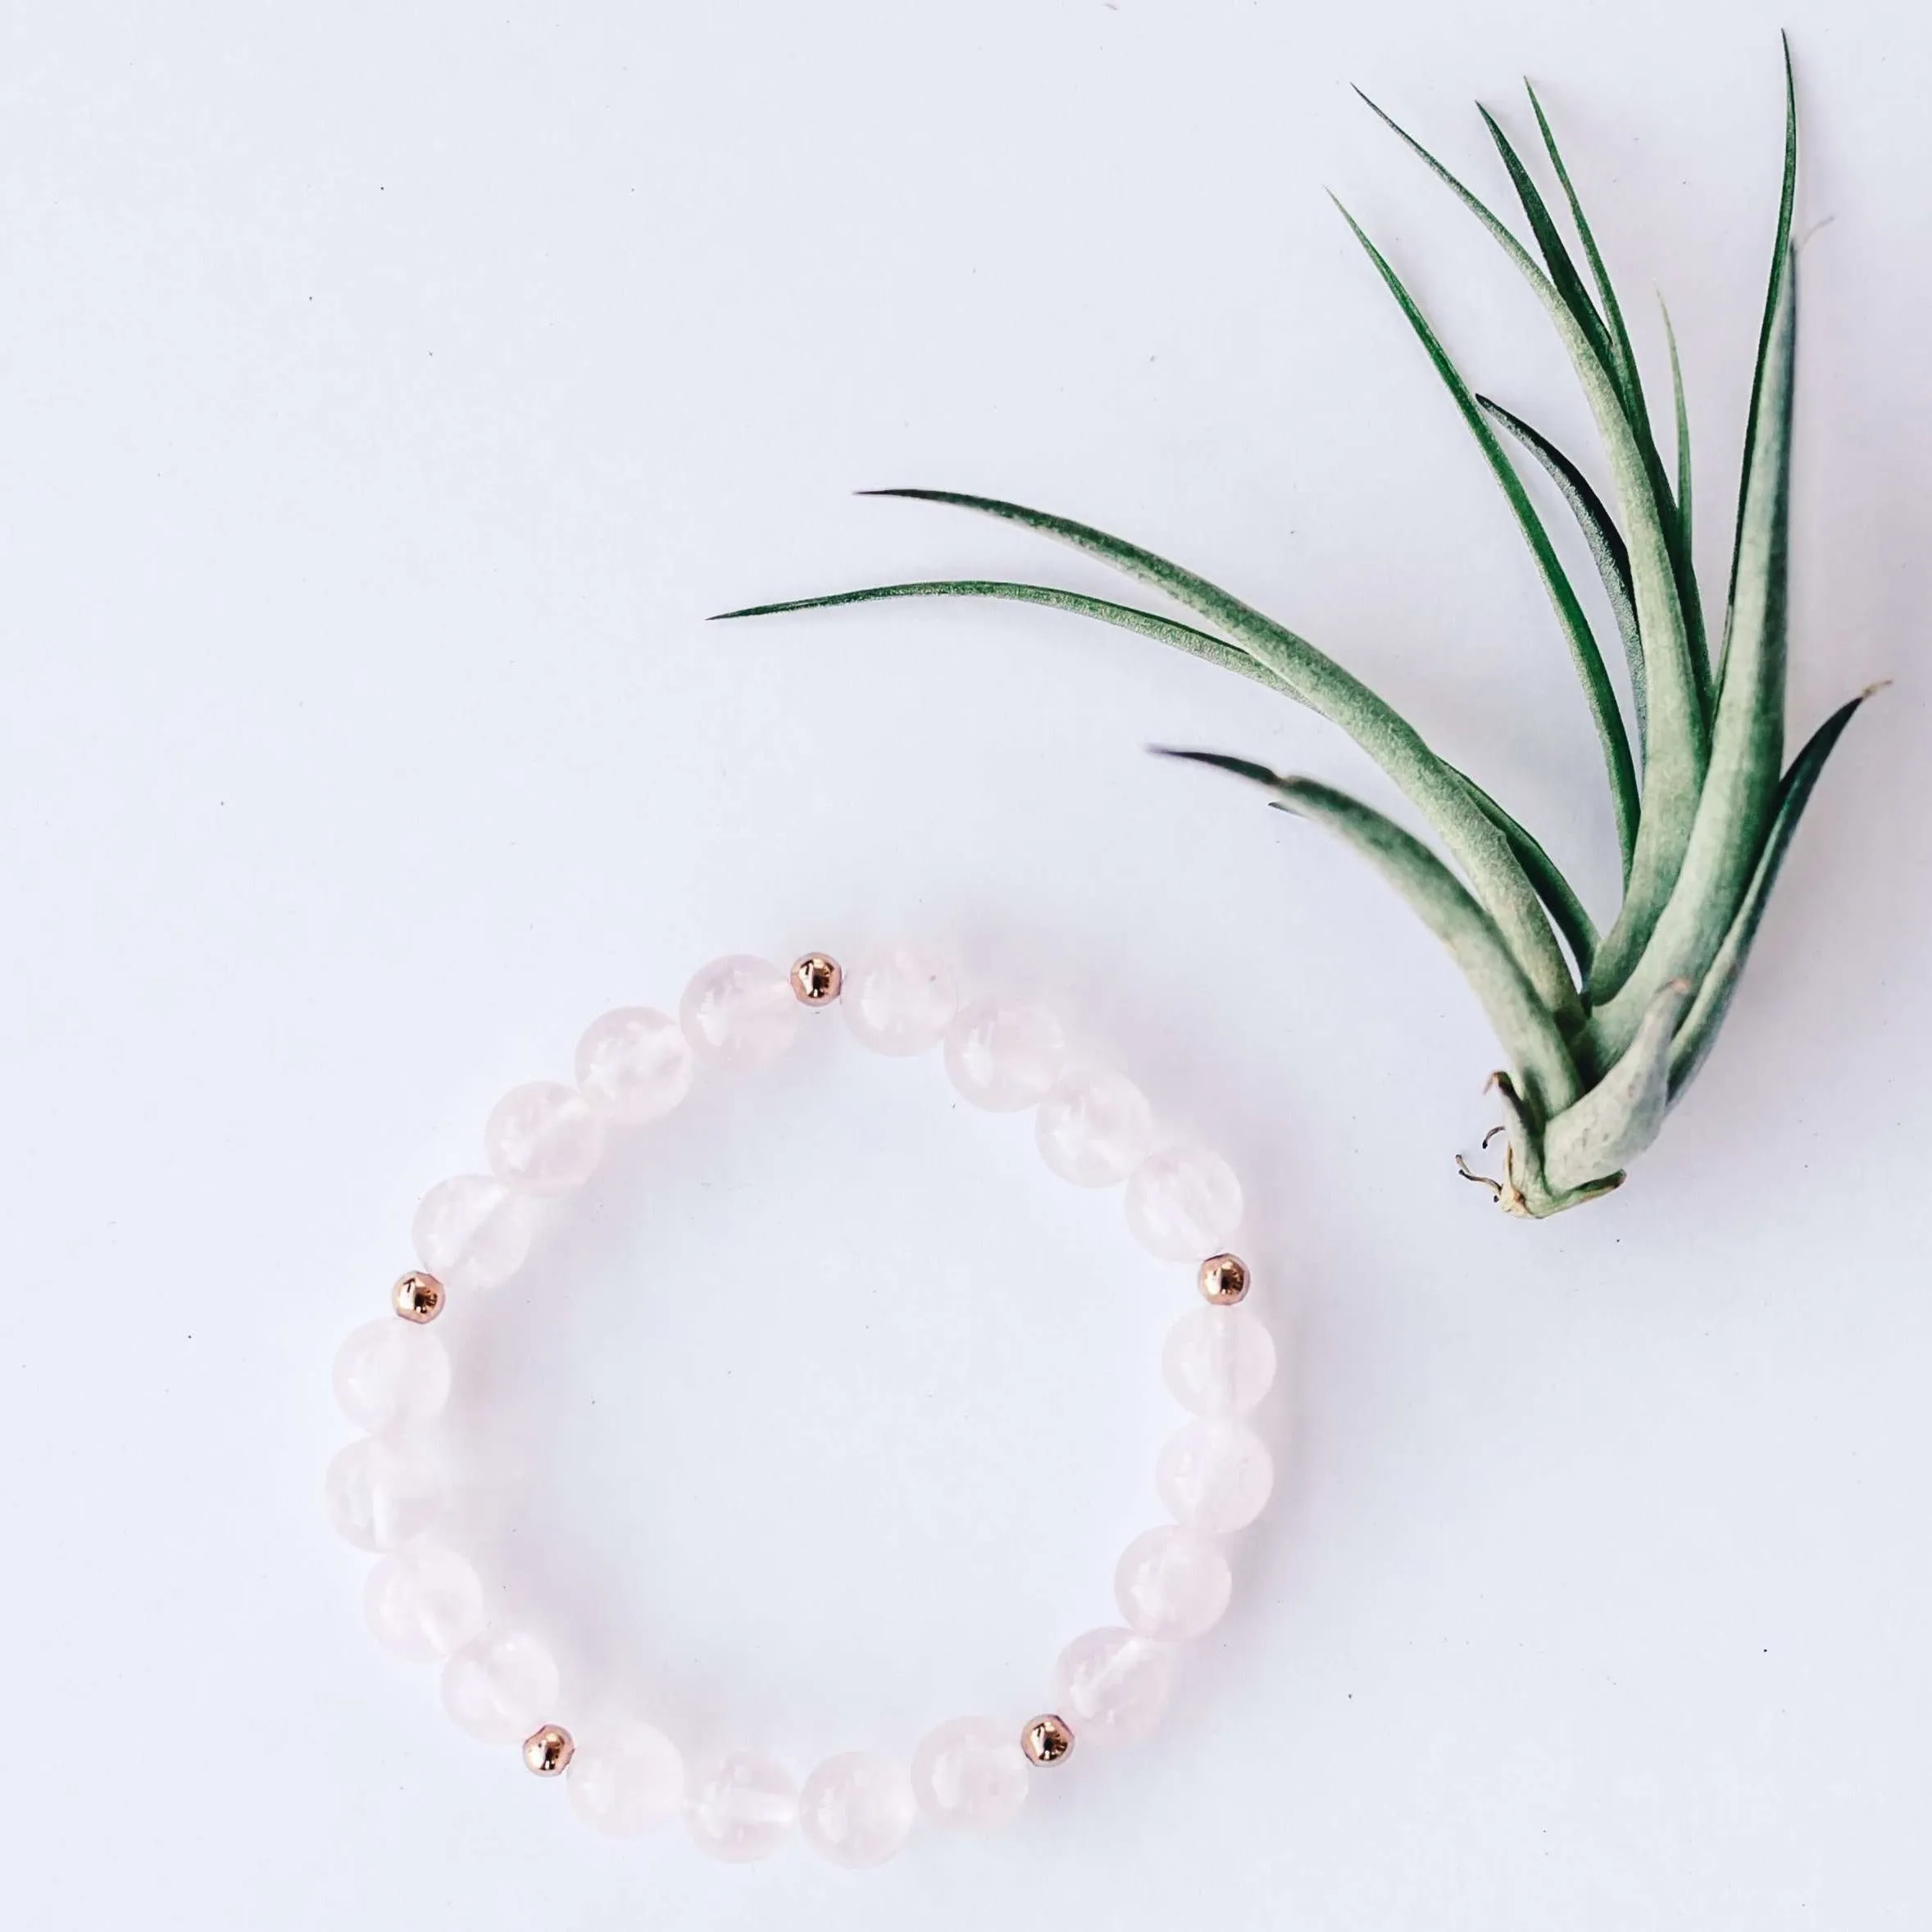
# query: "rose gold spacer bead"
(1224, 1279)
(418, 1297)
(817, 979)
(548, 1752)
(1047, 1739)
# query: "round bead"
(1183, 1203)
(500, 1688)
(1173, 1583)
(1114, 1684)
(970, 1774)
(741, 1806)
(417, 1296)
(1224, 1279)
(389, 1373)
(1215, 1476)
(381, 1493)
(543, 1139)
(627, 1780)
(857, 1809)
(1047, 1738)
(423, 1602)
(1094, 1129)
(546, 1753)
(633, 1065)
(1003, 1057)
(899, 1000)
(817, 979)
(472, 1233)
(739, 1013)
(1218, 1362)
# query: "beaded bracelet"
(385, 1493)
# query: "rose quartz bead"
(471, 1233)
(857, 1809)
(1113, 1686)
(1003, 1057)
(1094, 1129)
(389, 1373)
(899, 999)
(970, 1774)
(1183, 1203)
(499, 1689)
(423, 1602)
(626, 1781)
(741, 1806)
(633, 1065)
(382, 1492)
(1218, 1362)
(1173, 1583)
(1215, 1476)
(543, 1139)
(740, 1013)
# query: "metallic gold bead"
(1047, 1739)
(418, 1297)
(548, 1751)
(816, 979)
(1224, 1279)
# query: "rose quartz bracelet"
(385, 1492)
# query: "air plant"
(1601, 1043)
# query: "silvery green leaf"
(1700, 1027)
(1679, 736)
(1740, 793)
(1619, 1117)
(1528, 1035)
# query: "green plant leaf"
(1620, 1116)
(1683, 412)
(1567, 912)
(1598, 691)
(1740, 793)
(1555, 252)
(1184, 637)
(1317, 681)
(1699, 1031)
(1630, 380)
(1528, 1035)
(1782, 260)
(1623, 362)
(1679, 743)
(1601, 537)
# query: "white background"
(386, 395)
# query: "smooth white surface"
(386, 394)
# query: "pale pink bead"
(1003, 1057)
(740, 1013)
(423, 1602)
(1218, 1362)
(857, 1809)
(382, 1492)
(633, 1065)
(1215, 1476)
(1183, 1203)
(1094, 1128)
(499, 1689)
(741, 1806)
(970, 1774)
(1173, 1583)
(389, 1373)
(1111, 1685)
(626, 1780)
(543, 1139)
(899, 1000)
(471, 1233)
